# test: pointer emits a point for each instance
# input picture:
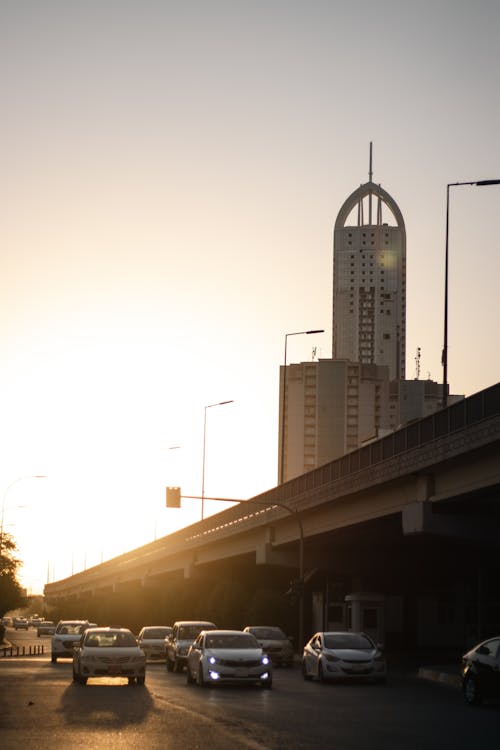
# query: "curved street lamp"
(444, 357)
(19, 479)
(220, 403)
(283, 401)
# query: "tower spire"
(370, 173)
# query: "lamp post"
(220, 403)
(19, 479)
(283, 401)
(444, 358)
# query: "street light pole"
(444, 358)
(283, 401)
(220, 403)
(19, 479)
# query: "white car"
(47, 627)
(67, 633)
(152, 640)
(274, 642)
(183, 635)
(109, 652)
(343, 656)
(220, 656)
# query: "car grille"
(365, 670)
(239, 662)
(357, 661)
(118, 660)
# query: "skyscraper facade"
(331, 407)
(369, 280)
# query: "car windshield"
(190, 632)
(230, 640)
(272, 634)
(156, 633)
(71, 628)
(110, 640)
(348, 640)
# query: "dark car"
(481, 672)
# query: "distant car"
(7, 621)
(152, 640)
(343, 656)
(47, 627)
(109, 652)
(274, 642)
(228, 656)
(481, 672)
(177, 645)
(21, 623)
(66, 634)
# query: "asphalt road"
(41, 707)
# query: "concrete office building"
(332, 407)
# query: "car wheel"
(267, 684)
(201, 679)
(472, 694)
(321, 673)
(131, 680)
(189, 676)
(305, 675)
(53, 659)
(82, 680)
(141, 679)
(170, 665)
(76, 677)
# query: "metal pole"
(203, 470)
(283, 402)
(445, 340)
(477, 183)
(209, 406)
(19, 479)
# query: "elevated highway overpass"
(418, 500)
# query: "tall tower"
(369, 280)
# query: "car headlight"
(212, 660)
(332, 657)
(378, 657)
(265, 660)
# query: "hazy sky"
(171, 175)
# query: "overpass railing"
(462, 414)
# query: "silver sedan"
(108, 652)
(228, 656)
(343, 656)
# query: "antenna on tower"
(370, 172)
(417, 364)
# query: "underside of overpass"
(412, 519)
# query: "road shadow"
(105, 706)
